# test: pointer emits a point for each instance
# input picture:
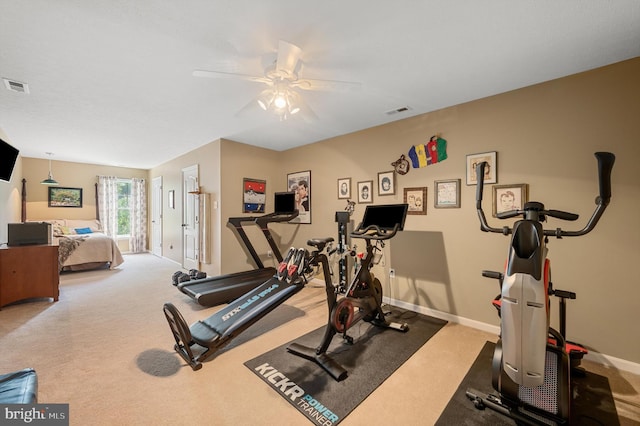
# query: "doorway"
(190, 218)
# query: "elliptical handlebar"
(605, 166)
(374, 232)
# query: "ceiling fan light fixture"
(265, 99)
(293, 102)
(280, 101)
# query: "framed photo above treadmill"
(300, 184)
(253, 195)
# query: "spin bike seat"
(319, 243)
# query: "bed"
(82, 245)
(82, 250)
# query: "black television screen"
(8, 157)
(386, 216)
(284, 202)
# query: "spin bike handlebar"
(374, 232)
(605, 165)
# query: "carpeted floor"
(105, 349)
(375, 354)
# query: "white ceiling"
(111, 80)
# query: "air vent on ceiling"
(398, 110)
(16, 86)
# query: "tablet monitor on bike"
(386, 216)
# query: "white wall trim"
(606, 360)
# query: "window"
(124, 207)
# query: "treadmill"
(212, 291)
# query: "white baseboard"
(611, 361)
(170, 260)
(606, 360)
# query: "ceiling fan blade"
(288, 56)
(327, 85)
(221, 74)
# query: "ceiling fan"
(282, 78)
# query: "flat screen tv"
(386, 216)
(8, 157)
(284, 202)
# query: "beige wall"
(545, 136)
(73, 175)
(225, 193)
(245, 161)
(68, 174)
(208, 159)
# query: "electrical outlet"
(392, 273)
(269, 253)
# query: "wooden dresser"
(28, 272)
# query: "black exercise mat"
(593, 403)
(374, 356)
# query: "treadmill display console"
(285, 202)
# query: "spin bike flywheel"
(342, 315)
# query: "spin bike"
(363, 297)
(532, 362)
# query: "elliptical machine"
(363, 298)
(532, 362)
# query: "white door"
(190, 218)
(156, 216)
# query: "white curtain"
(138, 236)
(108, 204)
(108, 208)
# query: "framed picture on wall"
(365, 192)
(344, 188)
(509, 197)
(300, 184)
(490, 171)
(447, 194)
(416, 198)
(253, 195)
(65, 197)
(386, 183)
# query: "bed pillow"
(84, 223)
(57, 230)
(65, 230)
(83, 231)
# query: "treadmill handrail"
(264, 221)
(237, 224)
(276, 217)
